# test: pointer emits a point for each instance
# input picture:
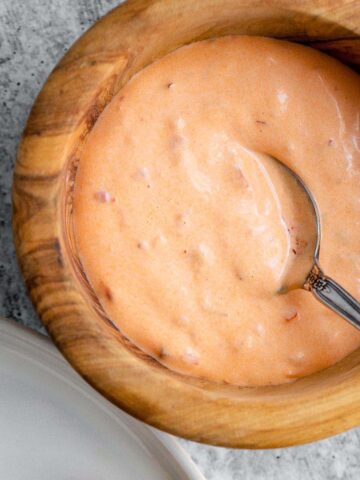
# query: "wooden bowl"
(90, 74)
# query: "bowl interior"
(90, 74)
(303, 27)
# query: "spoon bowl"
(304, 271)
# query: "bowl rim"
(76, 92)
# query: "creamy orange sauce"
(185, 228)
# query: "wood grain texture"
(86, 79)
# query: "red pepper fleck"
(108, 294)
(162, 353)
(300, 245)
(291, 317)
(103, 196)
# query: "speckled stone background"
(34, 34)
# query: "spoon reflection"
(303, 271)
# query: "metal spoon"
(325, 289)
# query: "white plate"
(53, 426)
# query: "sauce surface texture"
(184, 229)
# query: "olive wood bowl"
(81, 85)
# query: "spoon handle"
(331, 294)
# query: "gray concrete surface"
(34, 34)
